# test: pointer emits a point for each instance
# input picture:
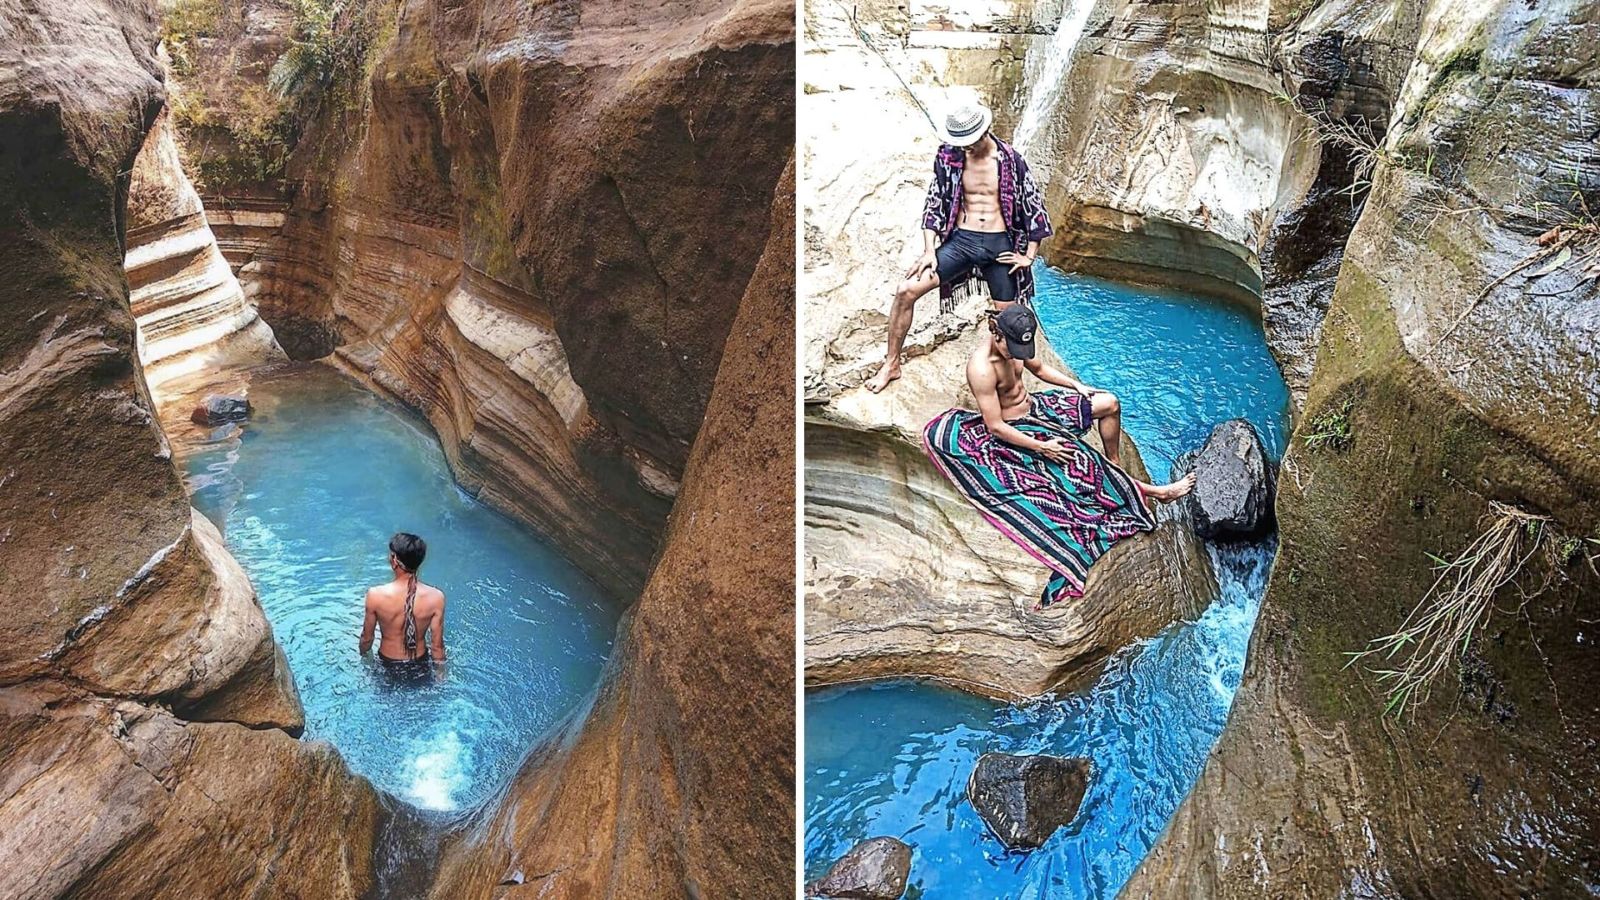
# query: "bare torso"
(1015, 400)
(980, 194)
(388, 603)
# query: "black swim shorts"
(967, 250)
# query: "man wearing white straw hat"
(984, 216)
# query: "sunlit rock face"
(1175, 148)
(191, 312)
(1463, 383)
(903, 576)
(145, 706)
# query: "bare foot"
(1169, 492)
(889, 372)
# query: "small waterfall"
(1051, 74)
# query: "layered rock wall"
(143, 703)
(1467, 377)
(676, 783)
(505, 233)
(191, 312)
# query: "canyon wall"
(561, 324)
(145, 711)
(903, 577)
(1197, 146)
(1460, 359)
(507, 232)
(192, 314)
(679, 782)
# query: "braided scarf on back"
(411, 618)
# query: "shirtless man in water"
(405, 611)
(966, 226)
(994, 372)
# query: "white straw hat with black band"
(966, 124)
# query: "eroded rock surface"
(557, 312)
(192, 313)
(903, 576)
(679, 781)
(143, 703)
(1462, 384)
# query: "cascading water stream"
(892, 758)
(1049, 75)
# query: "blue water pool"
(1181, 364)
(893, 758)
(307, 494)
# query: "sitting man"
(1021, 461)
(984, 214)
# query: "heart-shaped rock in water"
(220, 409)
(1232, 494)
(875, 869)
(1024, 799)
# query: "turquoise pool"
(307, 494)
(892, 758)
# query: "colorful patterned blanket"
(1065, 516)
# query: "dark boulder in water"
(1233, 489)
(875, 869)
(220, 409)
(1024, 799)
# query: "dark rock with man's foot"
(1024, 799)
(220, 409)
(875, 869)
(1234, 482)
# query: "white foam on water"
(1051, 74)
(438, 771)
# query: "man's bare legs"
(1107, 412)
(905, 303)
(1167, 492)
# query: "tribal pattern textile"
(1021, 205)
(1064, 515)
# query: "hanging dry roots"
(1455, 608)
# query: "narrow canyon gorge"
(1401, 193)
(565, 237)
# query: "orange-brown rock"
(126, 621)
(106, 798)
(540, 243)
(679, 782)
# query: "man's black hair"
(409, 550)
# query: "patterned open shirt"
(1021, 206)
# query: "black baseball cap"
(1016, 323)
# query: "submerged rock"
(875, 869)
(1233, 488)
(1024, 799)
(220, 409)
